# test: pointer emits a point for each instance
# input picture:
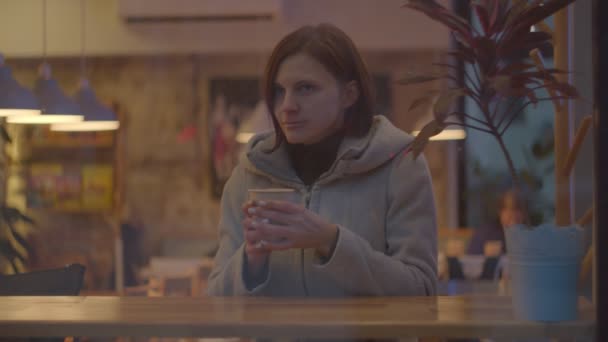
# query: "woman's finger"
(271, 231)
(277, 217)
(246, 206)
(252, 236)
(278, 245)
(256, 248)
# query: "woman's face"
(309, 102)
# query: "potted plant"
(504, 75)
(14, 248)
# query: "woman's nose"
(288, 103)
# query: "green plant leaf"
(5, 136)
(10, 214)
(27, 219)
(8, 251)
(19, 239)
(13, 215)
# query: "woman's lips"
(293, 124)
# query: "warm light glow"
(244, 137)
(448, 134)
(44, 119)
(5, 112)
(86, 126)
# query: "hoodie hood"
(382, 143)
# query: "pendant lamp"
(55, 105)
(97, 117)
(15, 99)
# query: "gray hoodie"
(379, 196)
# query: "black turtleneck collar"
(311, 161)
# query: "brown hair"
(517, 197)
(331, 47)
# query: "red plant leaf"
(517, 8)
(439, 13)
(524, 80)
(415, 79)
(482, 15)
(501, 83)
(532, 97)
(565, 89)
(524, 41)
(422, 138)
(499, 18)
(422, 101)
(485, 50)
(556, 71)
(466, 43)
(514, 68)
(539, 11)
(464, 54)
(494, 8)
(532, 15)
(444, 102)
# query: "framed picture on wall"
(231, 101)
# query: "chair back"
(65, 281)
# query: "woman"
(510, 209)
(366, 223)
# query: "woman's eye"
(278, 91)
(305, 88)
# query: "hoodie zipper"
(307, 195)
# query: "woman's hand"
(284, 225)
(257, 257)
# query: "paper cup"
(274, 194)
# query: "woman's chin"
(295, 139)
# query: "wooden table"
(459, 287)
(463, 316)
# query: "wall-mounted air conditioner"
(134, 11)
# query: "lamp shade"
(15, 99)
(56, 106)
(97, 117)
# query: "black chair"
(489, 268)
(65, 281)
(455, 269)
